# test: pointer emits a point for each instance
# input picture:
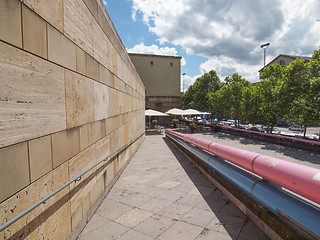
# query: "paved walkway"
(161, 195)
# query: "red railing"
(297, 178)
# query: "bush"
(175, 121)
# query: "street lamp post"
(183, 81)
(264, 47)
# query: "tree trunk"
(305, 131)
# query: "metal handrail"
(23, 213)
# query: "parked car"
(256, 129)
(276, 131)
(296, 128)
(242, 127)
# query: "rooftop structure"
(283, 60)
(161, 76)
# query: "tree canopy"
(197, 95)
(290, 93)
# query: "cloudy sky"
(223, 35)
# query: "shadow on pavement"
(228, 215)
(153, 132)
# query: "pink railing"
(297, 178)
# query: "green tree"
(301, 88)
(251, 103)
(235, 86)
(197, 95)
(271, 108)
(220, 102)
(187, 98)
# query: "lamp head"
(265, 45)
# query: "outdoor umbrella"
(191, 112)
(175, 111)
(153, 113)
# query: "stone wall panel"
(69, 97)
(34, 33)
(40, 157)
(61, 50)
(100, 43)
(79, 99)
(14, 171)
(92, 5)
(94, 132)
(102, 101)
(77, 165)
(46, 223)
(65, 145)
(93, 68)
(78, 24)
(10, 22)
(103, 148)
(32, 102)
(51, 11)
(81, 61)
(97, 189)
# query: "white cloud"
(183, 61)
(104, 2)
(225, 66)
(153, 49)
(229, 32)
(187, 81)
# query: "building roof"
(288, 56)
(153, 55)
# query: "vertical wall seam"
(51, 143)
(21, 19)
(47, 39)
(29, 163)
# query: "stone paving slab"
(161, 195)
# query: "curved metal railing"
(75, 179)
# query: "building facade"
(71, 103)
(161, 77)
(283, 60)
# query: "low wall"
(69, 96)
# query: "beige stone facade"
(163, 104)
(161, 77)
(69, 97)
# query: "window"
(158, 104)
(151, 62)
(171, 64)
(282, 63)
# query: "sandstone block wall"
(69, 96)
(163, 104)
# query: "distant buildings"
(161, 78)
(283, 60)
